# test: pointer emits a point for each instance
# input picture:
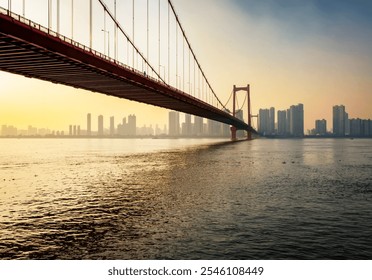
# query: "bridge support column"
(249, 133)
(233, 133)
(233, 129)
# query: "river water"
(185, 199)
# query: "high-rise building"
(347, 124)
(355, 127)
(214, 128)
(282, 123)
(321, 127)
(123, 128)
(132, 125)
(198, 126)
(89, 124)
(100, 125)
(360, 128)
(266, 121)
(174, 123)
(365, 128)
(187, 131)
(288, 122)
(112, 126)
(339, 120)
(297, 120)
(272, 121)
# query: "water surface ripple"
(166, 199)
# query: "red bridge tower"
(233, 129)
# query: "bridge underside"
(30, 52)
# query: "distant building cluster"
(283, 123)
(9, 130)
(126, 128)
(320, 127)
(343, 126)
(198, 128)
(290, 122)
(192, 126)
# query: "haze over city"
(317, 53)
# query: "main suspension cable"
(129, 40)
(193, 54)
(224, 106)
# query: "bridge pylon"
(233, 129)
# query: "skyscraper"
(360, 128)
(174, 123)
(188, 125)
(266, 121)
(355, 127)
(100, 125)
(365, 128)
(288, 122)
(112, 126)
(89, 124)
(198, 125)
(272, 121)
(132, 125)
(321, 127)
(297, 120)
(214, 128)
(339, 120)
(282, 123)
(347, 124)
(123, 128)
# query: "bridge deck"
(30, 50)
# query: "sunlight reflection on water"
(265, 199)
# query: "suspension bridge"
(87, 45)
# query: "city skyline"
(192, 126)
(280, 122)
(290, 123)
(103, 126)
(327, 64)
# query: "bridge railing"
(76, 44)
(68, 40)
(205, 91)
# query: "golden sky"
(289, 51)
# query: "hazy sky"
(314, 52)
